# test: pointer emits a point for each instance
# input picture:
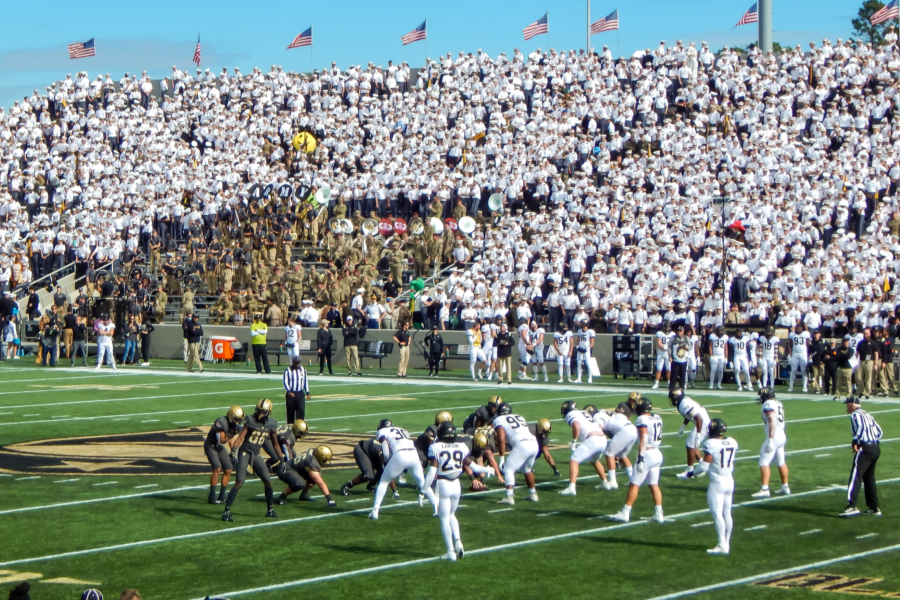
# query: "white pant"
(742, 365)
(653, 460)
(663, 362)
(767, 368)
(104, 351)
(403, 460)
(694, 439)
(487, 348)
(590, 449)
(716, 369)
(524, 357)
(538, 354)
(448, 493)
(718, 497)
(292, 352)
(779, 441)
(475, 355)
(562, 366)
(621, 443)
(798, 365)
(520, 460)
(582, 359)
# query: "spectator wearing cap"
(352, 335)
(374, 312)
(324, 341)
(844, 356)
(193, 331)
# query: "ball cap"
(847, 338)
(852, 400)
(349, 319)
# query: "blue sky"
(132, 36)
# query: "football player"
(526, 350)
(718, 458)
(258, 427)
(482, 447)
(399, 454)
(427, 437)
(562, 344)
(773, 447)
(476, 353)
(368, 457)
(768, 362)
(584, 350)
(537, 340)
(646, 469)
(697, 416)
(718, 356)
(622, 436)
(541, 432)
(588, 443)
(287, 436)
(512, 429)
(303, 471)
(798, 346)
(483, 416)
(447, 458)
(741, 343)
(663, 360)
(224, 430)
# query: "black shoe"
(875, 512)
(271, 514)
(345, 489)
(226, 516)
(371, 486)
(305, 497)
(212, 498)
(850, 511)
(280, 500)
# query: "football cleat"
(659, 518)
(345, 489)
(718, 550)
(686, 475)
(507, 500)
(373, 515)
(401, 479)
(457, 545)
(280, 500)
(761, 494)
(451, 556)
(620, 517)
(226, 516)
(604, 485)
(850, 511)
(784, 490)
(271, 514)
(532, 498)
(396, 494)
(569, 491)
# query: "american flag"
(749, 17)
(82, 50)
(304, 39)
(415, 35)
(607, 23)
(196, 58)
(891, 11)
(540, 26)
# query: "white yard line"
(703, 524)
(821, 455)
(757, 528)
(106, 483)
(547, 514)
(867, 536)
(27, 478)
(140, 487)
(498, 510)
(66, 480)
(810, 532)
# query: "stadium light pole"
(765, 25)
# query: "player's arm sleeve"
(429, 477)
(478, 469)
(385, 450)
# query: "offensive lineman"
(773, 447)
(588, 443)
(719, 453)
(562, 343)
(718, 356)
(303, 471)
(622, 436)
(513, 429)
(697, 416)
(224, 429)
(476, 353)
(663, 361)
(798, 346)
(399, 454)
(447, 457)
(537, 340)
(741, 343)
(648, 464)
(368, 457)
(482, 416)
(768, 362)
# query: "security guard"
(866, 437)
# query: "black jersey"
(221, 424)
(257, 433)
(482, 416)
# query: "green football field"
(105, 483)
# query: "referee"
(296, 387)
(866, 434)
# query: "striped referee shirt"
(297, 381)
(865, 429)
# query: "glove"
(730, 365)
(490, 472)
(681, 431)
(233, 457)
(239, 427)
(556, 472)
(639, 467)
(502, 462)
(767, 447)
(573, 445)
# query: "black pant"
(260, 353)
(145, 348)
(829, 380)
(296, 406)
(325, 357)
(863, 473)
(434, 362)
(678, 377)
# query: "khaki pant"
(352, 354)
(507, 362)
(864, 379)
(404, 360)
(844, 386)
(193, 356)
(886, 378)
(818, 371)
(67, 341)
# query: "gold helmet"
(442, 417)
(543, 426)
(235, 414)
(300, 428)
(480, 440)
(263, 409)
(494, 402)
(634, 398)
(323, 454)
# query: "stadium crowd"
(608, 170)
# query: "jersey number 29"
(445, 457)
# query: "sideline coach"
(866, 436)
(296, 387)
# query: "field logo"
(827, 583)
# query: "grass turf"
(175, 546)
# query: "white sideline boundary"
(553, 538)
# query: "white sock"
(611, 476)
(659, 510)
(765, 488)
(626, 510)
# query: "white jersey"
(723, 452)
(664, 339)
(516, 428)
(689, 409)
(741, 346)
(524, 335)
(292, 334)
(473, 336)
(653, 424)
(487, 338)
(799, 344)
(397, 439)
(537, 337)
(450, 457)
(751, 350)
(105, 332)
(586, 424)
(769, 347)
(773, 406)
(563, 340)
(601, 417)
(615, 423)
(584, 339)
(718, 344)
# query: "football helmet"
(300, 428)
(765, 394)
(385, 423)
(676, 396)
(263, 409)
(634, 398)
(543, 426)
(720, 330)
(591, 409)
(504, 409)
(493, 403)
(323, 454)
(446, 432)
(567, 407)
(643, 407)
(442, 417)
(479, 440)
(235, 415)
(770, 331)
(717, 428)
(624, 409)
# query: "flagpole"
(587, 46)
(548, 33)
(426, 42)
